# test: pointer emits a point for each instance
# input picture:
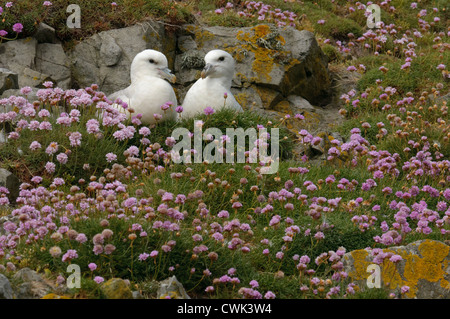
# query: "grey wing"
(123, 95)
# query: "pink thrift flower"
(18, 27)
(99, 279)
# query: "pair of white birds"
(149, 89)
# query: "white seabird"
(149, 89)
(213, 89)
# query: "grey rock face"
(424, 268)
(45, 34)
(20, 52)
(173, 288)
(278, 70)
(8, 80)
(11, 182)
(32, 285)
(52, 60)
(6, 291)
(275, 62)
(105, 58)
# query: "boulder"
(31, 77)
(20, 57)
(424, 268)
(45, 34)
(105, 58)
(275, 62)
(11, 182)
(16, 53)
(31, 285)
(54, 296)
(171, 288)
(53, 61)
(110, 52)
(6, 291)
(116, 288)
(8, 80)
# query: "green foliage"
(338, 27)
(221, 185)
(332, 53)
(420, 76)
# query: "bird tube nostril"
(168, 75)
(206, 70)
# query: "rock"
(54, 296)
(27, 275)
(11, 182)
(6, 291)
(249, 97)
(116, 288)
(92, 62)
(53, 61)
(191, 63)
(30, 77)
(45, 34)
(19, 56)
(172, 288)
(137, 295)
(8, 80)
(32, 285)
(16, 53)
(299, 104)
(110, 52)
(186, 43)
(276, 62)
(424, 268)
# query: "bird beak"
(167, 74)
(207, 70)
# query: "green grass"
(421, 76)
(223, 184)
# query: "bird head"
(151, 63)
(218, 64)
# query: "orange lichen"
(201, 35)
(264, 57)
(267, 96)
(242, 99)
(54, 296)
(430, 266)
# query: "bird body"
(148, 90)
(213, 89)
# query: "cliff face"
(274, 65)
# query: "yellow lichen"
(430, 266)
(242, 99)
(264, 57)
(54, 296)
(267, 95)
(201, 35)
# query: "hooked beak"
(167, 74)
(207, 70)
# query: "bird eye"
(151, 61)
(221, 58)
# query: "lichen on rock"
(424, 268)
